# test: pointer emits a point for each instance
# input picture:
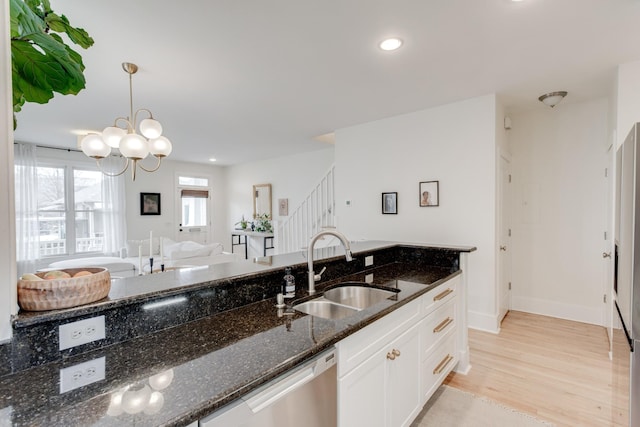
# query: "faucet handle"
(319, 275)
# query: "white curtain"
(115, 230)
(27, 227)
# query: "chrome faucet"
(313, 277)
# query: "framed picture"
(429, 193)
(149, 203)
(283, 207)
(390, 203)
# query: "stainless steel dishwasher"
(304, 396)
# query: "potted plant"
(263, 223)
(243, 223)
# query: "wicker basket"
(40, 295)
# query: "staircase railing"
(316, 212)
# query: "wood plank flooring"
(556, 370)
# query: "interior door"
(504, 238)
(194, 214)
(608, 244)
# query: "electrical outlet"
(368, 260)
(81, 332)
(82, 374)
(368, 278)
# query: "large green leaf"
(24, 19)
(73, 80)
(37, 68)
(42, 63)
(61, 25)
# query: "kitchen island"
(211, 336)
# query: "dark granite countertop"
(206, 363)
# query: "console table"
(239, 237)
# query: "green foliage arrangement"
(41, 62)
(263, 223)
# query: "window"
(194, 202)
(194, 207)
(69, 207)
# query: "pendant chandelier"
(122, 136)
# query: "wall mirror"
(261, 200)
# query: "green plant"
(263, 223)
(41, 62)
(243, 223)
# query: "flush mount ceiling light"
(390, 44)
(552, 98)
(132, 146)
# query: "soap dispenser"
(289, 283)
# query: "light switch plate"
(82, 374)
(81, 332)
(368, 278)
(368, 260)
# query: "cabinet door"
(403, 378)
(361, 394)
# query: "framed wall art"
(283, 207)
(390, 203)
(149, 203)
(429, 193)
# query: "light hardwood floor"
(556, 370)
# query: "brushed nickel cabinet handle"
(442, 325)
(441, 295)
(443, 363)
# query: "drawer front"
(436, 326)
(440, 295)
(438, 365)
(358, 347)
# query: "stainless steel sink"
(359, 297)
(323, 308)
(343, 301)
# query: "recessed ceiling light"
(212, 159)
(390, 44)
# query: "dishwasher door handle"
(282, 387)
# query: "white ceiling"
(243, 80)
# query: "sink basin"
(326, 309)
(359, 297)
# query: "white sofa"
(175, 255)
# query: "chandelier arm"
(154, 169)
(141, 110)
(126, 165)
(124, 119)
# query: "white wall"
(8, 304)
(559, 210)
(291, 177)
(164, 181)
(454, 144)
(628, 99)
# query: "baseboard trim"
(483, 322)
(573, 312)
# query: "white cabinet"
(389, 369)
(362, 394)
(384, 390)
(403, 383)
